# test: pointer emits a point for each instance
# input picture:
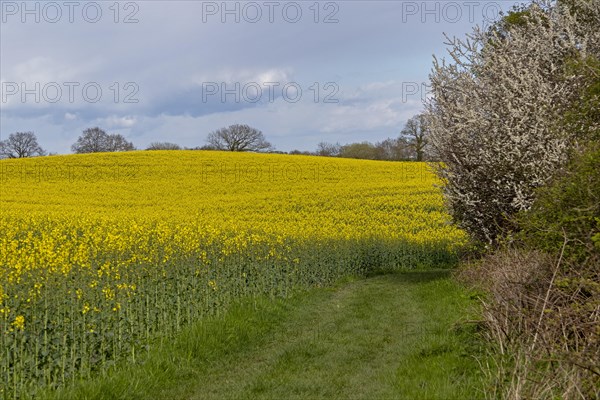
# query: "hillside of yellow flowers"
(102, 253)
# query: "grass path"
(386, 337)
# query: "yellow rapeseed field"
(101, 253)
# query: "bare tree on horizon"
(238, 138)
(21, 145)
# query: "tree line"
(411, 144)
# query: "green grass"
(395, 336)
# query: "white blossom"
(496, 109)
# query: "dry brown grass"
(542, 315)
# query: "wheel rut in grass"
(389, 336)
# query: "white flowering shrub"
(497, 105)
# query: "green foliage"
(364, 150)
(584, 117)
(569, 207)
(520, 17)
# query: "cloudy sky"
(302, 72)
